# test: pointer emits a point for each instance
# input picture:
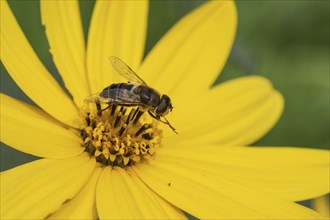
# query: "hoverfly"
(135, 92)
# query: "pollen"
(119, 136)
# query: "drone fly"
(135, 92)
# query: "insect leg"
(99, 108)
(154, 116)
(106, 108)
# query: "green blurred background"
(285, 41)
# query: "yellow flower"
(206, 170)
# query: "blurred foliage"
(285, 41)
(288, 42)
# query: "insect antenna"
(165, 122)
(168, 123)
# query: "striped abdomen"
(131, 94)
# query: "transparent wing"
(96, 98)
(120, 98)
(124, 70)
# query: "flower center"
(119, 136)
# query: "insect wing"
(96, 98)
(124, 70)
(121, 97)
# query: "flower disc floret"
(119, 136)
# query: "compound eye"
(164, 106)
(162, 109)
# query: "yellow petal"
(237, 112)
(122, 195)
(292, 173)
(65, 36)
(29, 73)
(321, 205)
(29, 129)
(83, 205)
(207, 196)
(118, 28)
(190, 56)
(38, 189)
